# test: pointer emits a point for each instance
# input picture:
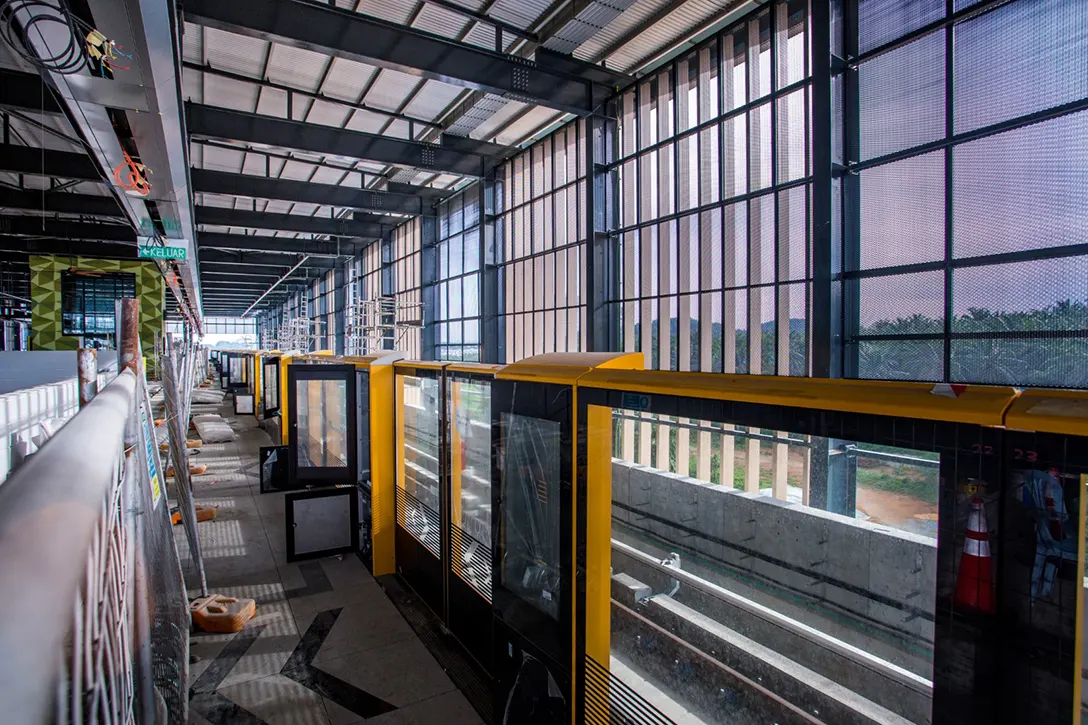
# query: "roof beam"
(282, 245)
(222, 123)
(59, 202)
(33, 226)
(207, 68)
(257, 281)
(290, 222)
(262, 187)
(248, 258)
(354, 36)
(68, 247)
(429, 193)
(47, 162)
(26, 91)
(273, 270)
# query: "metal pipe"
(87, 364)
(50, 509)
(275, 285)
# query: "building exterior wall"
(46, 327)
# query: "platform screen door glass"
(469, 406)
(532, 566)
(417, 511)
(321, 408)
(322, 423)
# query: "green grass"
(907, 483)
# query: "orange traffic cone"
(975, 586)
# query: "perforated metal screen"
(964, 195)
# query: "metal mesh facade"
(714, 196)
(541, 195)
(963, 195)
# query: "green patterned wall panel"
(45, 314)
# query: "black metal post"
(428, 231)
(490, 335)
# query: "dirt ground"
(897, 510)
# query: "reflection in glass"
(237, 366)
(531, 566)
(322, 423)
(270, 382)
(469, 413)
(417, 508)
(838, 536)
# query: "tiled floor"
(327, 647)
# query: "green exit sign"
(162, 252)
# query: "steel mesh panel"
(905, 304)
(1044, 295)
(901, 359)
(1023, 189)
(882, 21)
(790, 136)
(902, 212)
(793, 234)
(901, 97)
(1017, 59)
(1046, 361)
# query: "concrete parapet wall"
(869, 585)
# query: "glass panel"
(531, 566)
(837, 536)
(322, 423)
(237, 368)
(417, 510)
(470, 451)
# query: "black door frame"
(326, 475)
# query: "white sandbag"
(213, 429)
(207, 396)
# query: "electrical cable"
(18, 18)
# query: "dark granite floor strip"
(299, 668)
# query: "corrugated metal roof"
(273, 103)
(432, 100)
(221, 159)
(527, 124)
(619, 27)
(440, 21)
(233, 52)
(522, 13)
(229, 93)
(366, 122)
(347, 79)
(296, 67)
(390, 89)
(397, 11)
(670, 29)
(327, 114)
(485, 130)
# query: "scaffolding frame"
(381, 324)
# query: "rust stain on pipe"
(130, 335)
(87, 362)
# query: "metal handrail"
(844, 649)
(49, 511)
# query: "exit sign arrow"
(162, 252)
